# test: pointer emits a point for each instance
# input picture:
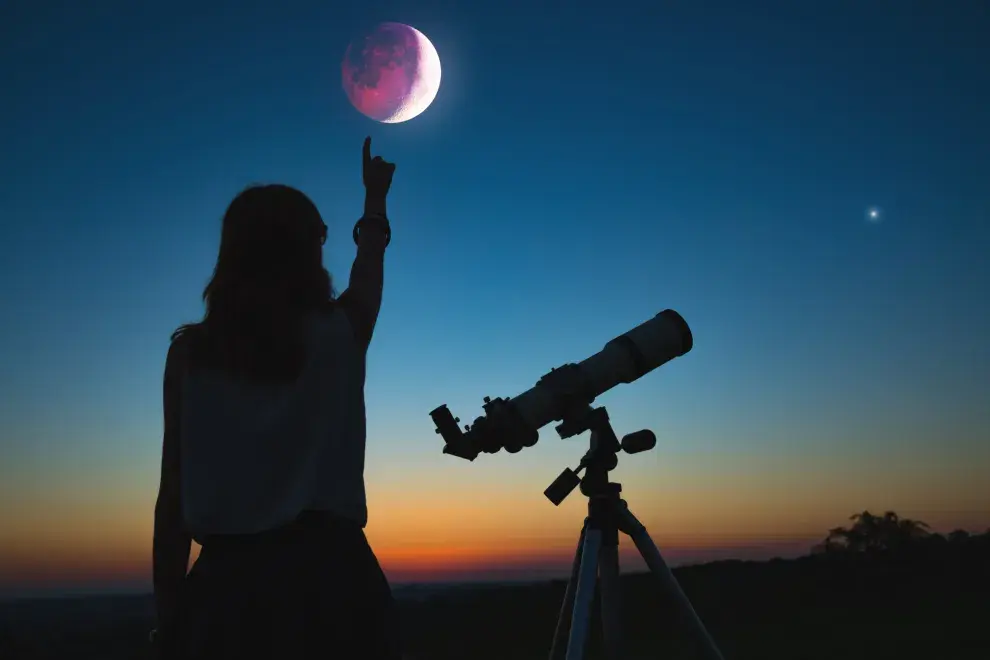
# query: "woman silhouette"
(264, 443)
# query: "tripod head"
(602, 456)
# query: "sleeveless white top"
(255, 455)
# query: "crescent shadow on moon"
(425, 86)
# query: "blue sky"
(579, 171)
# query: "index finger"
(367, 150)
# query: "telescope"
(565, 392)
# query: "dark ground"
(933, 605)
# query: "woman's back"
(255, 454)
(264, 443)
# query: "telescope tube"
(624, 359)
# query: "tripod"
(597, 553)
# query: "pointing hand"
(377, 173)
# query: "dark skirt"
(313, 589)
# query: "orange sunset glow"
(468, 521)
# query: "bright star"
(873, 214)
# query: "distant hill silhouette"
(885, 587)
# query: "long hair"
(269, 274)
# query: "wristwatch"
(381, 219)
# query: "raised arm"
(363, 298)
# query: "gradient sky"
(578, 172)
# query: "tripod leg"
(654, 560)
(559, 647)
(584, 594)
(611, 601)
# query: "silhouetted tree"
(958, 536)
(870, 534)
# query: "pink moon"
(391, 74)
